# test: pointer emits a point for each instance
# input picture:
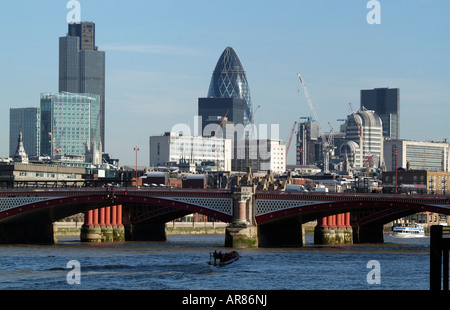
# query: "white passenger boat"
(409, 231)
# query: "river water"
(180, 264)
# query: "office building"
(308, 147)
(363, 146)
(417, 181)
(82, 66)
(261, 155)
(229, 93)
(214, 110)
(415, 155)
(28, 122)
(386, 104)
(37, 174)
(199, 153)
(69, 122)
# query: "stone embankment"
(73, 229)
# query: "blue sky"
(160, 56)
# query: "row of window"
(47, 175)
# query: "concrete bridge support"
(243, 231)
(285, 233)
(103, 225)
(27, 233)
(334, 229)
(146, 232)
(368, 234)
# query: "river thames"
(180, 264)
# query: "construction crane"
(290, 139)
(330, 139)
(308, 99)
(254, 113)
(327, 148)
(220, 125)
(252, 122)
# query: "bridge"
(255, 218)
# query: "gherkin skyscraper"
(230, 81)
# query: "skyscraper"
(25, 121)
(70, 122)
(228, 81)
(82, 66)
(386, 104)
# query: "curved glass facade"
(229, 81)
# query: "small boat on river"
(222, 259)
(409, 231)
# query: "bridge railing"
(79, 191)
(439, 258)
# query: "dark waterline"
(180, 263)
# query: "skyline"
(160, 57)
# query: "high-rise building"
(308, 145)
(229, 81)
(215, 110)
(386, 104)
(69, 122)
(28, 122)
(364, 140)
(82, 66)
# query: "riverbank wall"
(73, 229)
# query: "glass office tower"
(27, 121)
(69, 122)
(386, 104)
(82, 66)
(230, 81)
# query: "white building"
(277, 156)
(430, 156)
(172, 149)
(364, 140)
(259, 155)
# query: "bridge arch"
(28, 214)
(167, 209)
(378, 208)
(369, 212)
(31, 207)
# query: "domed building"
(364, 140)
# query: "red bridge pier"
(334, 229)
(103, 225)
